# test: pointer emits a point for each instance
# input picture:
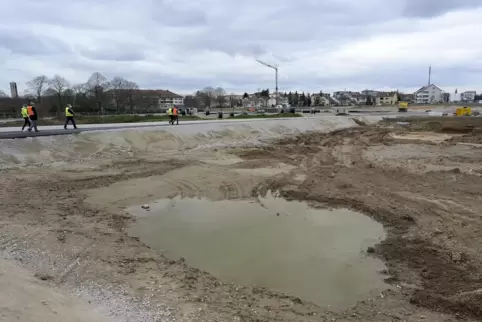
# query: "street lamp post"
(276, 77)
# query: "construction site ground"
(65, 246)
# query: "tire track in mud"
(199, 180)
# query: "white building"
(428, 94)
(171, 101)
(468, 96)
(281, 101)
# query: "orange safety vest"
(174, 111)
(29, 110)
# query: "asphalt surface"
(15, 133)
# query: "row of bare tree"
(210, 96)
(94, 96)
(90, 96)
(101, 95)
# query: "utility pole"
(276, 77)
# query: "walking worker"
(24, 112)
(175, 115)
(169, 112)
(33, 116)
(69, 116)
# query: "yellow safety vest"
(24, 112)
(169, 111)
(67, 113)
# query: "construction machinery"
(403, 106)
(463, 111)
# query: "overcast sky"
(184, 45)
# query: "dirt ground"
(66, 225)
(25, 298)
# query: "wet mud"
(318, 255)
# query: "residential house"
(428, 95)
(468, 96)
(386, 98)
(282, 100)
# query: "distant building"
(156, 97)
(428, 95)
(13, 90)
(407, 98)
(283, 101)
(468, 96)
(386, 98)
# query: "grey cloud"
(225, 44)
(433, 8)
(167, 14)
(112, 54)
(48, 12)
(267, 28)
(405, 78)
(25, 43)
(324, 24)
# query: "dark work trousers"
(33, 125)
(175, 118)
(69, 119)
(25, 123)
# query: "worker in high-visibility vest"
(69, 116)
(169, 113)
(175, 115)
(33, 116)
(24, 112)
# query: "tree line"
(210, 96)
(97, 95)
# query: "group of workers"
(30, 116)
(173, 113)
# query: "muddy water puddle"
(317, 255)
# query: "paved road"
(15, 133)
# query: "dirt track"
(70, 230)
